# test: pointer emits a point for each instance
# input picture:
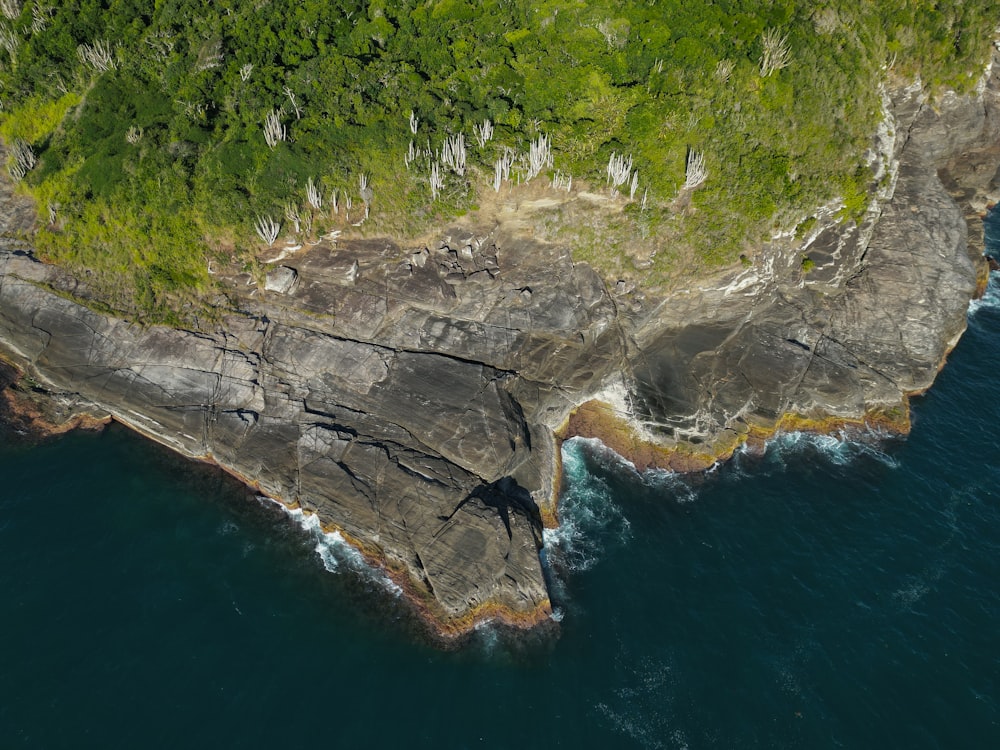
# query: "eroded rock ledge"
(411, 397)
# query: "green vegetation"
(148, 118)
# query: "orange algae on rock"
(596, 419)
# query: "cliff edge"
(411, 396)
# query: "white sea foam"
(643, 708)
(588, 516)
(990, 299)
(673, 483)
(840, 449)
(335, 553)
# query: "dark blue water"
(823, 595)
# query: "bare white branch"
(292, 214)
(274, 131)
(723, 70)
(483, 132)
(501, 170)
(453, 153)
(162, 43)
(295, 105)
(133, 134)
(210, 57)
(411, 155)
(562, 181)
(414, 121)
(634, 185)
(40, 15)
(10, 40)
(436, 181)
(539, 155)
(776, 54)
(615, 33)
(695, 172)
(245, 72)
(307, 226)
(366, 191)
(22, 159)
(11, 8)
(619, 169)
(98, 56)
(267, 229)
(313, 194)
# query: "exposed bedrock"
(409, 395)
(406, 406)
(867, 325)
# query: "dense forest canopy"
(154, 134)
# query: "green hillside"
(148, 119)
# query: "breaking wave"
(840, 449)
(990, 299)
(589, 518)
(335, 552)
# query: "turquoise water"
(825, 594)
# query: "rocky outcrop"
(847, 340)
(406, 406)
(410, 396)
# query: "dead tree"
(11, 8)
(483, 133)
(367, 194)
(619, 169)
(723, 70)
(539, 155)
(274, 131)
(98, 55)
(501, 170)
(453, 153)
(775, 54)
(267, 229)
(292, 214)
(313, 194)
(10, 40)
(295, 105)
(40, 15)
(695, 171)
(22, 159)
(436, 181)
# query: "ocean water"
(825, 594)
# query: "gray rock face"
(408, 396)
(855, 336)
(407, 411)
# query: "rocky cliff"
(411, 396)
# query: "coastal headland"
(414, 394)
